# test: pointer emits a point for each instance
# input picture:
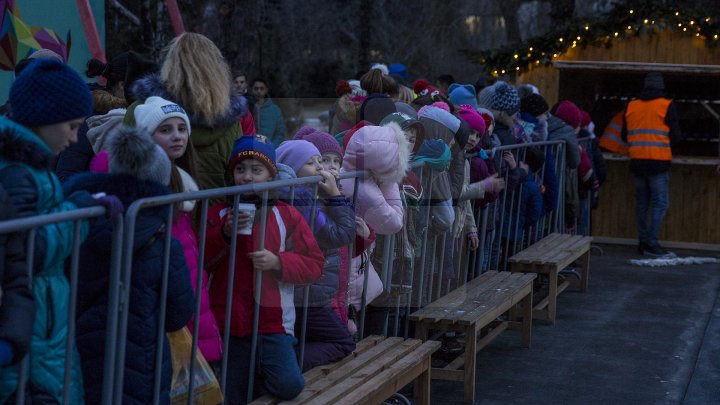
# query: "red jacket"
(301, 259)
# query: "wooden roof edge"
(636, 66)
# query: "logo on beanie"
(173, 108)
(261, 157)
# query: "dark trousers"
(327, 339)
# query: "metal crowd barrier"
(425, 279)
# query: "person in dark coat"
(138, 168)
(17, 308)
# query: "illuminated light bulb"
(578, 37)
(679, 24)
(515, 56)
(529, 54)
(616, 34)
(560, 39)
(517, 68)
(645, 21)
(537, 62)
(531, 48)
(707, 19)
(677, 13)
(502, 71)
(587, 27)
(715, 36)
(632, 11)
(555, 55)
(684, 29)
(692, 22)
(697, 35)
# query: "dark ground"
(640, 335)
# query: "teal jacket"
(269, 122)
(35, 190)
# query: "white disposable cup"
(250, 210)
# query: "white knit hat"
(155, 110)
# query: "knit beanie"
(486, 95)
(463, 94)
(376, 107)
(534, 104)
(350, 132)
(303, 131)
(296, 153)
(155, 110)
(247, 147)
(473, 118)
(585, 118)
(324, 142)
(654, 80)
(568, 112)
(133, 152)
(487, 116)
(49, 92)
(505, 99)
(407, 121)
(443, 117)
(400, 70)
(405, 109)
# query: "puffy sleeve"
(302, 263)
(383, 206)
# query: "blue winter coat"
(269, 122)
(35, 190)
(524, 213)
(334, 228)
(144, 295)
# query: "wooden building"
(601, 81)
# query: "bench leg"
(585, 272)
(421, 331)
(527, 304)
(552, 296)
(469, 369)
(422, 384)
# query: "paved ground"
(640, 335)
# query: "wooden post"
(552, 295)
(422, 383)
(469, 368)
(585, 272)
(527, 304)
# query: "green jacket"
(35, 190)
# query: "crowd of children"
(178, 128)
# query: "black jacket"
(17, 308)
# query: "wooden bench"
(378, 368)
(548, 256)
(474, 308)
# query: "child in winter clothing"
(139, 168)
(288, 255)
(326, 337)
(169, 126)
(53, 101)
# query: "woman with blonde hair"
(195, 75)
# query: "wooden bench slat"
(402, 372)
(533, 250)
(486, 301)
(499, 303)
(340, 384)
(450, 313)
(456, 295)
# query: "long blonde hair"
(197, 76)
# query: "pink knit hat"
(569, 112)
(473, 118)
(325, 142)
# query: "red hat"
(568, 112)
(351, 132)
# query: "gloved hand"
(112, 204)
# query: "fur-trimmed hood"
(19, 144)
(385, 151)
(152, 85)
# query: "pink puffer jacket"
(385, 152)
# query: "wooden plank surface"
(453, 298)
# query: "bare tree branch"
(115, 4)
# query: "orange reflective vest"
(611, 138)
(648, 136)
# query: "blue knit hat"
(505, 99)
(400, 70)
(49, 92)
(246, 147)
(463, 94)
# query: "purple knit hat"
(324, 142)
(296, 153)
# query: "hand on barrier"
(509, 159)
(328, 186)
(112, 204)
(265, 260)
(473, 241)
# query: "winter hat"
(505, 99)
(296, 153)
(527, 89)
(443, 117)
(405, 109)
(357, 90)
(487, 115)
(486, 95)
(568, 112)
(585, 118)
(534, 104)
(463, 94)
(535, 158)
(247, 147)
(462, 134)
(304, 131)
(324, 142)
(133, 152)
(155, 110)
(473, 118)
(350, 132)
(49, 92)
(407, 121)
(381, 67)
(376, 107)
(654, 80)
(400, 70)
